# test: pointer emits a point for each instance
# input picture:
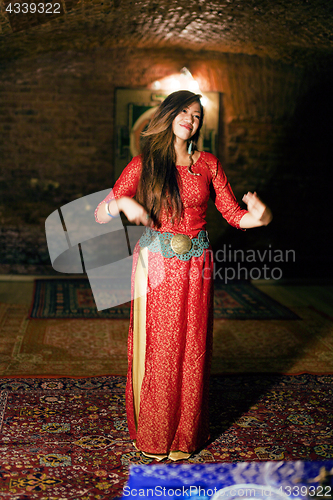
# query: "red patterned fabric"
(179, 319)
(194, 191)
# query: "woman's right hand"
(133, 210)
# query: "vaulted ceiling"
(290, 30)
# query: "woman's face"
(186, 123)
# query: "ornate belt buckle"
(181, 243)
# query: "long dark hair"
(158, 186)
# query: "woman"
(170, 335)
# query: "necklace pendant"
(190, 171)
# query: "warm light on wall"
(179, 81)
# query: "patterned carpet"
(67, 439)
(78, 347)
(73, 299)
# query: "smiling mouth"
(188, 127)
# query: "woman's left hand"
(257, 208)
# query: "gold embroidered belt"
(174, 245)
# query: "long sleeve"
(225, 200)
(128, 181)
(126, 185)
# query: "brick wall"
(57, 125)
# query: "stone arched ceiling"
(289, 30)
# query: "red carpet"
(67, 438)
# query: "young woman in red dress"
(166, 189)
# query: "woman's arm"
(120, 199)
(131, 208)
(258, 213)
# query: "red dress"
(173, 412)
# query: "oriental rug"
(73, 298)
(88, 347)
(67, 438)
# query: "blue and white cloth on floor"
(232, 481)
